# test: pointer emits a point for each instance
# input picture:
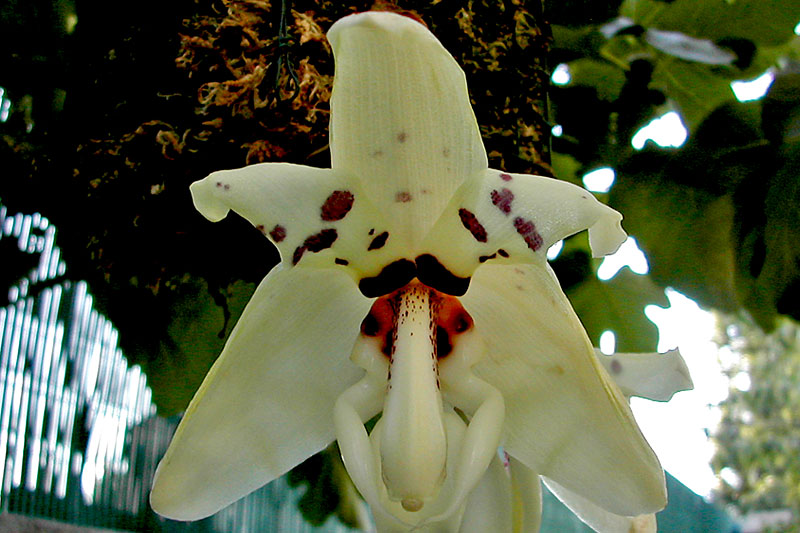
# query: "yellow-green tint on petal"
(401, 120)
(267, 403)
(564, 417)
(526, 497)
(489, 506)
(598, 518)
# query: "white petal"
(314, 216)
(564, 418)
(527, 494)
(267, 403)
(655, 376)
(489, 506)
(401, 119)
(514, 218)
(598, 518)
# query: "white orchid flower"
(413, 283)
(654, 376)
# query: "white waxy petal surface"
(267, 404)
(598, 518)
(526, 487)
(314, 216)
(401, 119)
(489, 506)
(500, 217)
(564, 417)
(655, 376)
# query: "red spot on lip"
(452, 316)
(337, 205)
(470, 221)
(502, 199)
(448, 319)
(527, 229)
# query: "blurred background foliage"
(109, 111)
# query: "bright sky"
(677, 429)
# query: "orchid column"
(413, 283)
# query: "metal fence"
(79, 434)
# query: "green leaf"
(566, 168)
(607, 78)
(768, 258)
(685, 232)
(193, 340)
(618, 305)
(696, 88)
(763, 22)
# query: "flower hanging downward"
(413, 283)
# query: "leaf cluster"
(716, 217)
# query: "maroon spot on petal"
(506, 177)
(337, 206)
(320, 241)
(402, 197)
(340, 261)
(527, 230)
(402, 136)
(502, 199)
(378, 241)
(278, 233)
(298, 254)
(616, 366)
(371, 231)
(502, 253)
(223, 186)
(261, 228)
(484, 258)
(471, 222)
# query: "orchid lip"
(421, 460)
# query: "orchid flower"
(414, 284)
